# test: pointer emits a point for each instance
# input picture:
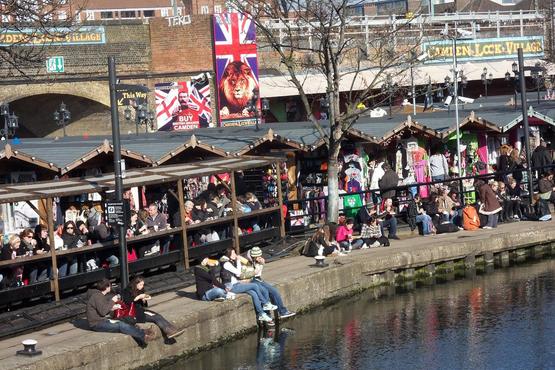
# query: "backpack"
(471, 220)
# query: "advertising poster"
(236, 68)
(484, 49)
(183, 105)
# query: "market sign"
(483, 49)
(131, 94)
(85, 35)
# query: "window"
(179, 11)
(127, 14)
(62, 15)
(5, 18)
(204, 9)
(164, 12)
(148, 13)
(62, 2)
(90, 15)
(217, 9)
(106, 15)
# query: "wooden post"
(236, 244)
(280, 202)
(50, 221)
(181, 198)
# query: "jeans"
(275, 297)
(355, 244)
(117, 326)
(438, 178)
(213, 293)
(62, 269)
(426, 223)
(158, 320)
(34, 275)
(259, 295)
(391, 225)
(492, 220)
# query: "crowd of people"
(216, 280)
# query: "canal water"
(501, 320)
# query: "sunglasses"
(69, 228)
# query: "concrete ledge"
(302, 287)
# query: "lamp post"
(388, 88)
(537, 76)
(11, 121)
(486, 80)
(253, 106)
(265, 107)
(521, 69)
(62, 116)
(142, 116)
(513, 79)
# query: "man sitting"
(209, 288)
(100, 304)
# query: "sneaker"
(173, 332)
(230, 296)
(269, 307)
(219, 299)
(364, 246)
(376, 244)
(287, 314)
(265, 318)
(487, 227)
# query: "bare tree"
(319, 41)
(28, 27)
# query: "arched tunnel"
(36, 116)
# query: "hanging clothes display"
(482, 154)
(421, 173)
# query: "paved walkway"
(181, 307)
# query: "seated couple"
(240, 275)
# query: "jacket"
(98, 306)
(389, 180)
(490, 204)
(140, 305)
(377, 174)
(545, 186)
(541, 157)
(206, 279)
(438, 165)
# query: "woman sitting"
(237, 282)
(387, 214)
(371, 234)
(344, 236)
(321, 244)
(134, 294)
(513, 193)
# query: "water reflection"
(505, 320)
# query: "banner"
(236, 68)
(183, 105)
(483, 49)
(88, 35)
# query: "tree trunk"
(333, 182)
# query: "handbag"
(126, 311)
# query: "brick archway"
(95, 91)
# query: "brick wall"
(185, 48)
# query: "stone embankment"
(66, 346)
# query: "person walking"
(439, 169)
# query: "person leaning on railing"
(28, 244)
(13, 276)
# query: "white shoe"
(269, 307)
(364, 246)
(376, 244)
(487, 228)
(265, 318)
(230, 296)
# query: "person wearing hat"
(254, 255)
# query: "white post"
(456, 95)
(413, 88)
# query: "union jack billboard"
(236, 68)
(183, 105)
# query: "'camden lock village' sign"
(482, 49)
(55, 36)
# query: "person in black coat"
(134, 294)
(541, 158)
(389, 180)
(209, 287)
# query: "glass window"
(90, 15)
(204, 9)
(164, 12)
(62, 15)
(106, 15)
(217, 9)
(179, 11)
(148, 13)
(128, 14)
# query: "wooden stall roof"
(135, 177)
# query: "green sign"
(55, 65)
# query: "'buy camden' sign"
(481, 49)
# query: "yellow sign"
(496, 48)
(55, 36)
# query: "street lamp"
(62, 117)
(487, 80)
(253, 106)
(388, 88)
(265, 107)
(513, 79)
(11, 121)
(464, 82)
(537, 76)
(142, 116)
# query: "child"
(372, 235)
(344, 236)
